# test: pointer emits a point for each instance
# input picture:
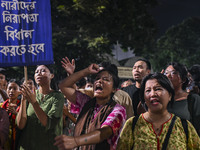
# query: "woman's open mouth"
(154, 101)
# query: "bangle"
(75, 142)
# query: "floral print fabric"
(144, 136)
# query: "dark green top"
(180, 108)
(37, 137)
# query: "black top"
(194, 109)
(133, 92)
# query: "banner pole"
(25, 74)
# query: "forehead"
(2, 75)
(170, 68)
(30, 81)
(140, 63)
(13, 84)
(104, 73)
(152, 82)
(42, 67)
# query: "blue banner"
(25, 33)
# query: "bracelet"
(75, 142)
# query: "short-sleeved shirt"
(145, 137)
(37, 137)
(115, 119)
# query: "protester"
(177, 74)
(195, 75)
(100, 119)
(40, 114)
(119, 96)
(30, 83)
(194, 100)
(3, 95)
(186, 105)
(157, 128)
(141, 68)
(11, 105)
(4, 127)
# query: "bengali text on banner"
(25, 33)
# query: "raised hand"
(162, 71)
(12, 108)
(68, 66)
(93, 68)
(28, 94)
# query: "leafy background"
(86, 30)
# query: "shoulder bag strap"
(134, 122)
(185, 127)
(164, 147)
(133, 126)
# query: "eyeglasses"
(172, 73)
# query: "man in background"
(141, 68)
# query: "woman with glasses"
(177, 74)
(100, 118)
(186, 105)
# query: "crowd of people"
(92, 111)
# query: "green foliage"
(180, 43)
(85, 30)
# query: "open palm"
(68, 66)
